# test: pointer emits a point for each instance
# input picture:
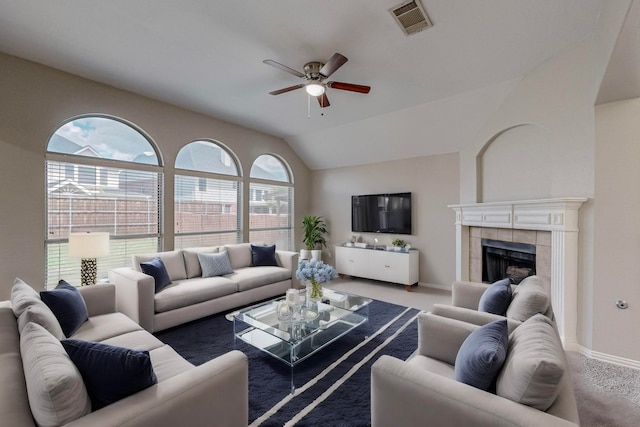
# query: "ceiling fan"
(315, 73)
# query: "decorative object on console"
(314, 230)
(315, 273)
(88, 246)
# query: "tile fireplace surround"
(550, 224)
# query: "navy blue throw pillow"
(110, 373)
(482, 355)
(67, 304)
(158, 271)
(496, 298)
(263, 256)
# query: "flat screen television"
(381, 213)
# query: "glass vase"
(314, 290)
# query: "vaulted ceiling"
(207, 56)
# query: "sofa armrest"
(135, 292)
(467, 294)
(100, 298)
(214, 393)
(289, 260)
(440, 337)
(406, 395)
(472, 316)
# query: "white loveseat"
(191, 296)
(215, 392)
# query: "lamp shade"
(88, 245)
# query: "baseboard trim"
(430, 285)
(609, 358)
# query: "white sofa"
(185, 395)
(191, 296)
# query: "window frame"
(78, 162)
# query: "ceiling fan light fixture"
(315, 88)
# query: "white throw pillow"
(57, 394)
(215, 264)
(41, 314)
(191, 262)
(535, 365)
(22, 296)
(529, 298)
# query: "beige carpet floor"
(607, 395)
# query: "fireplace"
(512, 260)
(551, 225)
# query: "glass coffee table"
(294, 335)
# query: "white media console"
(388, 266)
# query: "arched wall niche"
(515, 164)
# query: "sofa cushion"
(167, 363)
(57, 394)
(263, 256)
(534, 366)
(135, 340)
(191, 262)
(68, 306)
(215, 264)
(496, 298)
(22, 295)
(482, 354)
(105, 326)
(254, 277)
(110, 373)
(239, 255)
(193, 291)
(173, 262)
(529, 298)
(39, 313)
(156, 269)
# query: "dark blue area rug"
(391, 330)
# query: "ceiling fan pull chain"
(308, 106)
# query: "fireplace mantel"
(560, 217)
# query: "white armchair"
(423, 391)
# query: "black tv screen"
(381, 213)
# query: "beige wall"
(617, 229)
(36, 100)
(558, 98)
(433, 182)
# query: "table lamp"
(88, 246)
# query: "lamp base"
(88, 271)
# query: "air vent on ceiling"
(411, 17)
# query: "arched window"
(271, 203)
(103, 175)
(208, 196)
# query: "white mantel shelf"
(543, 214)
(560, 217)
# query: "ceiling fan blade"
(286, 89)
(335, 62)
(323, 100)
(283, 67)
(349, 86)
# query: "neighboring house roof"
(60, 144)
(261, 173)
(205, 158)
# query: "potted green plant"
(314, 230)
(399, 244)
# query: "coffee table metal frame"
(294, 340)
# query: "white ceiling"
(207, 56)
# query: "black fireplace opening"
(513, 260)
